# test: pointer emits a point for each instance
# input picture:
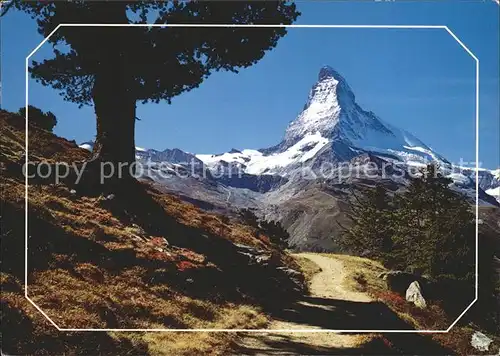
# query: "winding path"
(332, 306)
(329, 282)
(325, 286)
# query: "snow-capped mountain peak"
(321, 113)
(336, 128)
(331, 110)
(329, 75)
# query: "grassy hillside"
(136, 259)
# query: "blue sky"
(419, 80)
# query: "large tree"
(114, 67)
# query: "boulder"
(414, 295)
(480, 341)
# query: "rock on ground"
(414, 295)
(480, 341)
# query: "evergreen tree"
(435, 227)
(372, 224)
(272, 229)
(428, 228)
(46, 121)
(249, 218)
(114, 67)
(276, 233)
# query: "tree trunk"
(113, 155)
(114, 148)
(114, 103)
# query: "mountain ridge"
(332, 148)
(332, 128)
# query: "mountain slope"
(138, 258)
(333, 147)
(332, 129)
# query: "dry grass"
(307, 267)
(206, 343)
(95, 263)
(362, 273)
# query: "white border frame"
(442, 27)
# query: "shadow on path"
(286, 344)
(324, 313)
(341, 315)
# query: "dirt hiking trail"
(329, 282)
(330, 305)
